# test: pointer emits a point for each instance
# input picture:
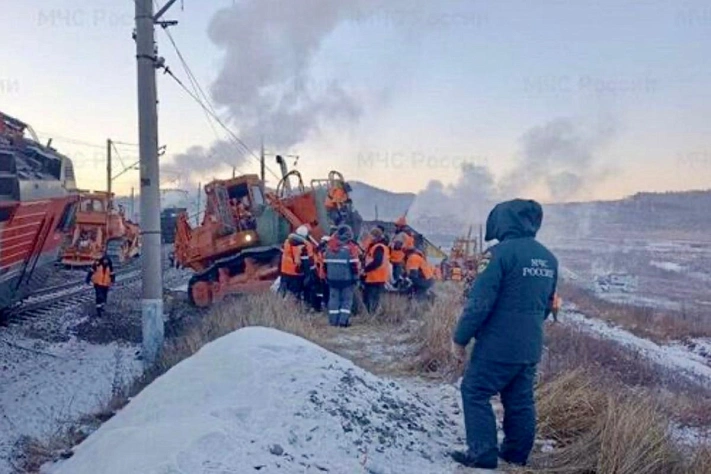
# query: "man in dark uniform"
(510, 299)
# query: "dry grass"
(434, 335)
(607, 408)
(657, 324)
(599, 431)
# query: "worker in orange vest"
(296, 262)
(376, 270)
(457, 274)
(320, 284)
(419, 273)
(102, 276)
(401, 241)
(336, 200)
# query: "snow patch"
(668, 266)
(260, 399)
(45, 386)
(674, 356)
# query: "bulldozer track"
(61, 298)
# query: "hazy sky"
(399, 94)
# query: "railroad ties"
(60, 298)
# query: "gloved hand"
(459, 352)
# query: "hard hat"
(303, 231)
(325, 238)
(401, 222)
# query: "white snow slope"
(45, 387)
(259, 400)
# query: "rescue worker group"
(328, 274)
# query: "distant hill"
(675, 214)
(389, 205)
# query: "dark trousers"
(398, 270)
(484, 379)
(102, 295)
(319, 295)
(340, 305)
(293, 284)
(371, 296)
(420, 288)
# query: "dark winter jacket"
(513, 295)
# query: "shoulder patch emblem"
(484, 262)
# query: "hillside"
(390, 206)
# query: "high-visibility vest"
(456, 274)
(397, 255)
(335, 198)
(291, 263)
(409, 242)
(320, 266)
(101, 276)
(417, 262)
(380, 274)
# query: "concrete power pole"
(133, 205)
(262, 165)
(152, 277)
(108, 167)
(197, 216)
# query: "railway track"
(62, 297)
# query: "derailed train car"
(37, 206)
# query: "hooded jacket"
(513, 294)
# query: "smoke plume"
(557, 162)
(560, 157)
(196, 160)
(266, 84)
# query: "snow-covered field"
(262, 400)
(46, 386)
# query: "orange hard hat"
(401, 222)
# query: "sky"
(555, 100)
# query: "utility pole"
(133, 205)
(197, 216)
(108, 168)
(262, 165)
(152, 277)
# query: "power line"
(208, 109)
(118, 155)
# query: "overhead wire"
(198, 94)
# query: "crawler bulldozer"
(100, 229)
(237, 248)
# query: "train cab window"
(92, 205)
(257, 196)
(67, 220)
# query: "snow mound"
(260, 400)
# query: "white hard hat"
(325, 238)
(303, 231)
